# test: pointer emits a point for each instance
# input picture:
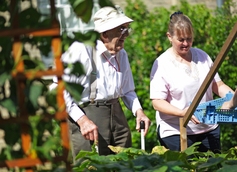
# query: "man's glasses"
(123, 30)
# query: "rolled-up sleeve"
(72, 108)
(76, 53)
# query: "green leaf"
(34, 120)
(9, 105)
(83, 154)
(4, 5)
(50, 98)
(89, 37)
(30, 16)
(104, 3)
(10, 138)
(86, 17)
(4, 77)
(210, 163)
(34, 93)
(50, 144)
(34, 64)
(75, 90)
(162, 169)
(159, 150)
(2, 21)
(77, 69)
(82, 9)
(192, 149)
(229, 168)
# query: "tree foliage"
(148, 40)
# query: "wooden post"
(183, 135)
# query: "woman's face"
(114, 38)
(181, 43)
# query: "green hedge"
(148, 40)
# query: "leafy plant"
(160, 159)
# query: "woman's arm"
(232, 104)
(165, 107)
(221, 89)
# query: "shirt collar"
(100, 48)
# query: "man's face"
(114, 38)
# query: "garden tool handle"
(142, 128)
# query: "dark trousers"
(209, 141)
(112, 125)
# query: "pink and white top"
(178, 84)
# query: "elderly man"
(101, 118)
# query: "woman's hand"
(193, 118)
(232, 103)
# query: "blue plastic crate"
(217, 116)
(209, 112)
(217, 102)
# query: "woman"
(176, 77)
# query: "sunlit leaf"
(116, 149)
(159, 149)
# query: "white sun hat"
(108, 18)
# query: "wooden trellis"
(20, 76)
(217, 63)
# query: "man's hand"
(88, 129)
(142, 117)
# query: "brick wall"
(212, 4)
